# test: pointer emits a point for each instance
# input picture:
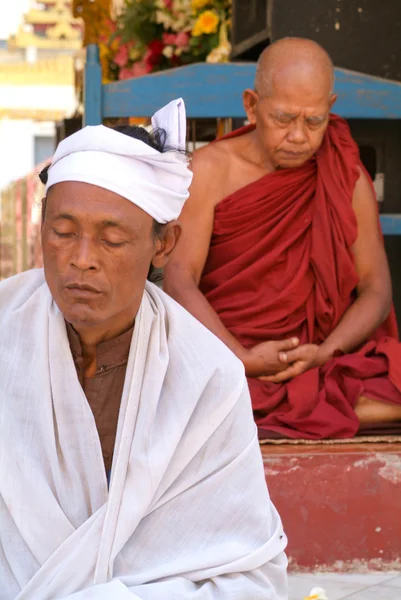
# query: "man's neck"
(91, 337)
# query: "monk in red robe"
(281, 256)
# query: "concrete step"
(340, 504)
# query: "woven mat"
(362, 439)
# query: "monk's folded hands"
(264, 359)
(298, 360)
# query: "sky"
(11, 12)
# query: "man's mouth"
(81, 289)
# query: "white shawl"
(187, 514)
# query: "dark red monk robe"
(280, 265)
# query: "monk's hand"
(264, 359)
(297, 361)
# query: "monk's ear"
(250, 99)
(332, 100)
(166, 243)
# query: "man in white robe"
(186, 513)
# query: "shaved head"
(291, 102)
(294, 62)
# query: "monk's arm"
(183, 272)
(373, 303)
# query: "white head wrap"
(156, 182)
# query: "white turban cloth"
(157, 182)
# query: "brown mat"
(361, 439)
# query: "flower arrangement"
(153, 35)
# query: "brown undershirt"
(104, 390)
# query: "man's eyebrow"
(65, 216)
(109, 223)
(104, 223)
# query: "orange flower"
(206, 23)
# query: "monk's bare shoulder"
(215, 156)
(213, 167)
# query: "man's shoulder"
(16, 290)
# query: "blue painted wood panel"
(391, 224)
(209, 91)
(215, 91)
(365, 97)
(92, 87)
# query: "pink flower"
(140, 68)
(169, 39)
(122, 56)
(182, 39)
(168, 4)
(124, 74)
(137, 70)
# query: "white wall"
(39, 97)
(17, 135)
(17, 147)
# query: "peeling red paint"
(350, 566)
(391, 469)
(340, 504)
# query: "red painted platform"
(340, 504)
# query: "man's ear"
(332, 100)
(250, 99)
(166, 244)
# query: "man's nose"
(85, 256)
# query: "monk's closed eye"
(315, 123)
(284, 120)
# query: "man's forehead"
(86, 201)
(80, 193)
(83, 189)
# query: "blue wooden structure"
(215, 90)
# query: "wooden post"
(1, 232)
(14, 234)
(224, 126)
(92, 87)
(24, 224)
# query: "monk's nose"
(297, 133)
